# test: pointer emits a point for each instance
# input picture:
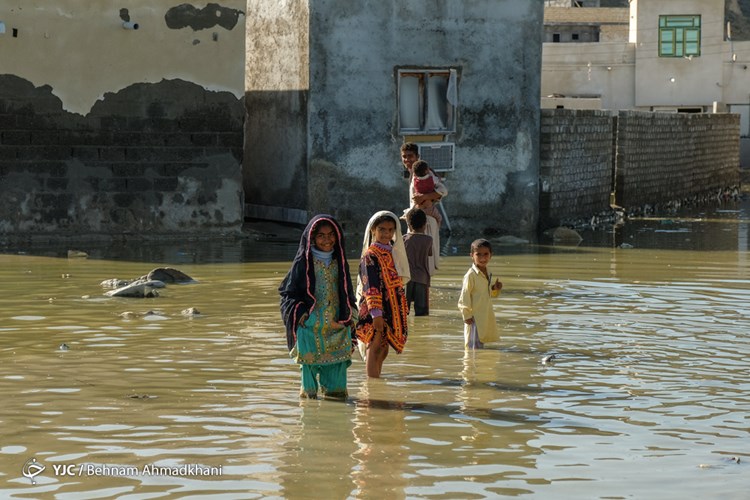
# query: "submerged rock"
(511, 240)
(564, 236)
(114, 283)
(139, 289)
(169, 275)
(145, 285)
(190, 311)
(77, 254)
(141, 396)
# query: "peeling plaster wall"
(355, 48)
(81, 50)
(105, 128)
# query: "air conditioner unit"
(438, 155)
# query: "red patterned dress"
(382, 289)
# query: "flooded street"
(646, 397)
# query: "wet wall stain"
(125, 15)
(213, 14)
(155, 157)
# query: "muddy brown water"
(647, 396)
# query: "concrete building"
(576, 77)
(334, 87)
(678, 57)
(566, 25)
(187, 118)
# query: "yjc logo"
(64, 469)
(32, 469)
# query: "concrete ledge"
(279, 214)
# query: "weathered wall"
(653, 158)
(171, 167)
(80, 49)
(666, 156)
(347, 107)
(355, 52)
(576, 164)
(106, 129)
(277, 84)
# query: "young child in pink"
(424, 183)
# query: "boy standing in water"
(418, 251)
(475, 301)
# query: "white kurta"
(476, 302)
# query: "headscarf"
(398, 252)
(297, 290)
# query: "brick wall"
(663, 157)
(575, 164)
(656, 158)
(152, 158)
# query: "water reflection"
(382, 454)
(649, 379)
(319, 450)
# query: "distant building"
(678, 56)
(567, 25)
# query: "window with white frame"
(679, 36)
(427, 101)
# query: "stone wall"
(663, 157)
(158, 158)
(643, 158)
(575, 164)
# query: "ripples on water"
(646, 396)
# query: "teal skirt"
(324, 349)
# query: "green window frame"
(679, 36)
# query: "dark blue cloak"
(297, 290)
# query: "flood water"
(647, 396)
